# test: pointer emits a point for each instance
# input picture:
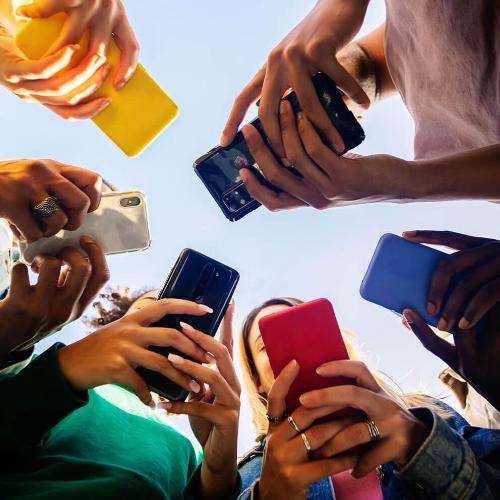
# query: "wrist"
(417, 435)
(69, 369)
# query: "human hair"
(258, 401)
(112, 305)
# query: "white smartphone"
(119, 225)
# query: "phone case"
(219, 168)
(201, 279)
(310, 334)
(138, 113)
(117, 228)
(399, 276)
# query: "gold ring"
(293, 425)
(373, 430)
(306, 441)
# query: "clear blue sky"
(202, 53)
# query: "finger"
(446, 269)
(100, 36)
(311, 106)
(40, 9)
(278, 175)
(343, 396)
(73, 29)
(129, 378)
(355, 370)
(49, 269)
(438, 346)
(467, 288)
(240, 107)
(448, 239)
(272, 92)
(200, 373)
(19, 280)
(99, 275)
(87, 181)
(30, 72)
(160, 364)
(81, 111)
(79, 271)
(64, 84)
(218, 350)
(27, 226)
(226, 331)
(81, 93)
(276, 406)
(294, 149)
(313, 471)
(168, 337)
(370, 459)
(54, 223)
(484, 300)
(129, 48)
(72, 201)
(271, 200)
(161, 308)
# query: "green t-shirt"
(60, 443)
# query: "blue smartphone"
(399, 276)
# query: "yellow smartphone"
(138, 112)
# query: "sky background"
(202, 54)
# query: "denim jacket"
(456, 461)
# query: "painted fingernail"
(408, 317)
(464, 324)
(152, 405)
(205, 308)
(185, 326)
(442, 325)
(176, 360)
(210, 359)
(104, 105)
(304, 399)
(194, 386)
(431, 308)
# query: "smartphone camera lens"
(133, 201)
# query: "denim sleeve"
(447, 467)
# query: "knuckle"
(293, 52)
(316, 49)
(275, 56)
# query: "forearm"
(219, 484)
(365, 60)
(471, 175)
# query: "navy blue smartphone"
(399, 276)
(219, 168)
(200, 279)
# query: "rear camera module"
(133, 201)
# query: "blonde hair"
(258, 401)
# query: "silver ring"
(275, 420)
(307, 444)
(293, 425)
(373, 430)
(46, 208)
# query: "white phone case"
(117, 228)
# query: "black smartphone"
(219, 168)
(200, 279)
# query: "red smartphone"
(310, 334)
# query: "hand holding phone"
(196, 278)
(309, 334)
(119, 225)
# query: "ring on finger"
(306, 442)
(373, 430)
(294, 425)
(45, 208)
(275, 420)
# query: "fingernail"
(205, 308)
(152, 405)
(176, 360)
(431, 308)
(320, 370)
(194, 386)
(442, 325)
(300, 116)
(303, 399)
(408, 317)
(210, 359)
(166, 405)
(464, 324)
(185, 326)
(87, 240)
(104, 105)
(409, 234)
(285, 162)
(283, 107)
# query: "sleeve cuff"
(444, 466)
(193, 488)
(251, 493)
